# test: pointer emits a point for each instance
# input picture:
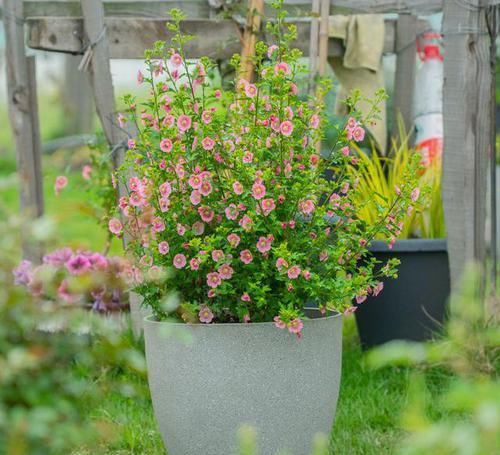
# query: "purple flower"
(58, 257)
(78, 264)
(23, 273)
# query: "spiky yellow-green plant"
(378, 179)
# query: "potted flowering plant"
(405, 310)
(231, 216)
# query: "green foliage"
(470, 351)
(49, 376)
(199, 160)
(377, 179)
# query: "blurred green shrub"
(48, 379)
(470, 351)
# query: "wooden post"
(313, 46)
(404, 84)
(467, 98)
(76, 97)
(254, 20)
(323, 37)
(23, 112)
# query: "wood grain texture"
(467, 97)
(250, 34)
(201, 8)
(127, 38)
(404, 83)
(23, 108)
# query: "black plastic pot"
(414, 306)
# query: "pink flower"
(206, 117)
(323, 256)
(194, 264)
(258, 190)
(198, 228)
(217, 255)
(234, 240)
(251, 90)
(225, 271)
(176, 60)
(195, 197)
(246, 256)
(166, 145)
(248, 157)
(314, 121)
(61, 182)
(237, 188)
(231, 212)
(286, 128)
(278, 322)
(140, 77)
(246, 222)
(306, 274)
(294, 272)
(165, 189)
(264, 244)
(378, 288)
(183, 123)
(208, 143)
(158, 225)
(360, 298)
(282, 68)
(345, 151)
(350, 310)
(352, 123)
(115, 226)
(358, 134)
(86, 171)
(181, 230)
(206, 214)
(163, 247)
(131, 144)
(295, 326)
(280, 263)
(195, 181)
(78, 264)
(306, 206)
(205, 188)
(415, 194)
(214, 279)
(271, 49)
(268, 206)
(179, 261)
(205, 315)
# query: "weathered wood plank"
(21, 83)
(99, 67)
(201, 8)
(252, 28)
(129, 37)
(467, 97)
(404, 84)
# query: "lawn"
(370, 402)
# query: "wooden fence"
(124, 28)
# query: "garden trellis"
(103, 30)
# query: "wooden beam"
(23, 108)
(252, 28)
(404, 84)
(99, 68)
(467, 97)
(128, 38)
(201, 8)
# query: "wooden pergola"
(124, 28)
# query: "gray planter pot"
(207, 381)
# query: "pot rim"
(149, 319)
(410, 245)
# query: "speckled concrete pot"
(206, 381)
